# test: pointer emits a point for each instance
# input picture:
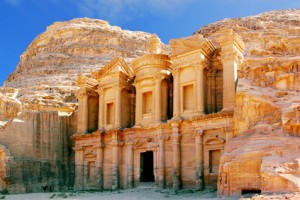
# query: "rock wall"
(264, 154)
(41, 156)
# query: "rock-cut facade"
(162, 118)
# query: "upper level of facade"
(199, 77)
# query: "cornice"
(160, 60)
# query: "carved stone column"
(85, 114)
(130, 168)
(79, 168)
(232, 48)
(132, 109)
(115, 160)
(118, 105)
(99, 162)
(101, 124)
(213, 91)
(176, 93)
(176, 136)
(158, 94)
(138, 105)
(199, 88)
(82, 124)
(199, 160)
(162, 162)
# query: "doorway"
(146, 164)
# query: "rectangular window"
(188, 97)
(147, 102)
(110, 114)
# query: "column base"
(199, 114)
(137, 126)
(228, 109)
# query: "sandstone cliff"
(264, 154)
(51, 64)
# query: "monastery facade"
(162, 118)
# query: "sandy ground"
(142, 193)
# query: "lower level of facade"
(177, 154)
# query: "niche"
(147, 102)
(188, 97)
(90, 170)
(110, 114)
(214, 161)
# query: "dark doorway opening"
(146, 164)
(251, 192)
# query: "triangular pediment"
(117, 65)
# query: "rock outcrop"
(264, 154)
(51, 64)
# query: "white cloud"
(129, 9)
(13, 2)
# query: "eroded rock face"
(51, 64)
(37, 152)
(264, 155)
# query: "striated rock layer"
(264, 154)
(51, 64)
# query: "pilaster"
(118, 105)
(82, 124)
(158, 93)
(199, 88)
(99, 162)
(176, 136)
(101, 110)
(162, 161)
(199, 160)
(232, 48)
(115, 143)
(79, 168)
(176, 93)
(130, 167)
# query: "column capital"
(101, 145)
(176, 136)
(164, 138)
(212, 72)
(159, 77)
(100, 91)
(82, 93)
(176, 71)
(232, 56)
(199, 133)
(119, 87)
(78, 148)
(200, 65)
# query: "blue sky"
(22, 20)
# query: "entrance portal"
(146, 164)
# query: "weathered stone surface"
(264, 154)
(40, 152)
(51, 64)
